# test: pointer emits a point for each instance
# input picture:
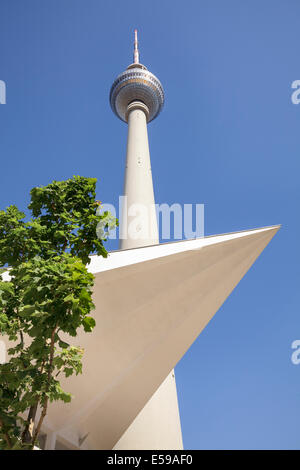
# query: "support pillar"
(157, 426)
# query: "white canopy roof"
(151, 304)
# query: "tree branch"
(45, 405)
(28, 430)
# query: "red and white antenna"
(136, 55)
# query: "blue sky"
(228, 137)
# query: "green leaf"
(62, 344)
(88, 324)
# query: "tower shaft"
(137, 97)
(138, 220)
(157, 426)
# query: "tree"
(48, 294)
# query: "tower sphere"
(136, 83)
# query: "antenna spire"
(136, 55)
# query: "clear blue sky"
(228, 137)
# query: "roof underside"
(151, 304)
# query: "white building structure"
(152, 302)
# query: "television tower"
(137, 97)
(151, 301)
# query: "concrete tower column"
(137, 97)
(157, 426)
(138, 219)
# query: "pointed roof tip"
(270, 231)
(251, 230)
(273, 227)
